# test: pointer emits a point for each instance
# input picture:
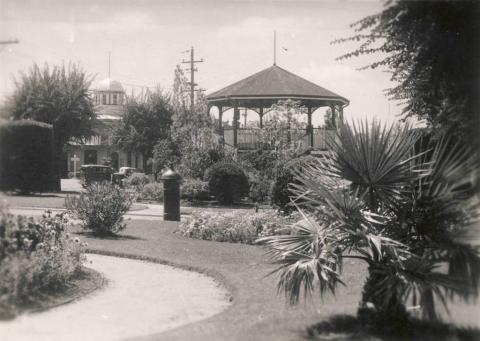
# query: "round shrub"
(26, 156)
(153, 191)
(100, 208)
(227, 182)
(194, 190)
(284, 175)
(137, 181)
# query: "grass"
(258, 312)
(47, 200)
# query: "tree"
(403, 205)
(146, 120)
(283, 132)
(58, 96)
(432, 50)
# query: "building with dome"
(109, 100)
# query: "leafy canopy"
(146, 119)
(431, 49)
(58, 96)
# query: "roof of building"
(109, 85)
(274, 82)
(109, 111)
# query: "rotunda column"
(310, 126)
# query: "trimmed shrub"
(238, 226)
(26, 157)
(152, 191)
(137, 181)
(279, 192)
(36, 257)
(100, 208)
(194, 190)
(227, 182)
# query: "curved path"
(141, 298)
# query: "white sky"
(234, 37)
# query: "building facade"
(109, 100)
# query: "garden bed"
(86, 282)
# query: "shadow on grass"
(349, 328)
(109, 236)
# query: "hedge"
(26, 156)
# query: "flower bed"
(239, 226)
(36, 257)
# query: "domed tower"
(109, 97)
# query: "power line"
(4, 43)
(192, 83)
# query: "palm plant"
(393, 198)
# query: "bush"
(26, 156)
(101, 208)
(279, 192)
(263, 161)
(194, 190)
(227, 182)
(260, 189)
(137, 181)
(152, 191)
(238, 226)
(36, 257)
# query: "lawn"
(257, 313)
(46, 200)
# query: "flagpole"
(274, 47)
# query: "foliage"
(262, 161)
(196, 160)
(58, 96)
(26, 157)
(194, 190)
(260, 189)
(227, 182)
(100, 208)
(283, 132)
(328, 119)
(280, 192)
(152, 191)
(238, 226)
(146, 119)
(35, 257)
(431, 49)
(404, 209)
(137, 181)
(166, 154)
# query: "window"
(104, 99)
(115, 98)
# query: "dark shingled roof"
(275, 82)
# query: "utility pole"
(192, 83)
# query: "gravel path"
(140, 299)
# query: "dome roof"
(109, 85)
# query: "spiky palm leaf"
(376, 159)
(403, 210)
